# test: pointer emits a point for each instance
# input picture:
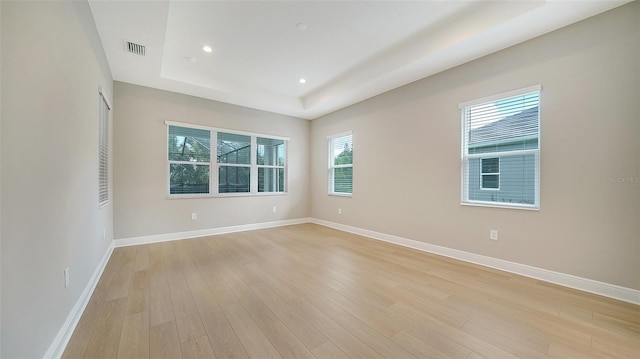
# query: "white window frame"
(466, 156)
(276, 167)
(332, 166)
(482, 174)
(104, 115)
(170, 162)
(214, 165)
(253, 172)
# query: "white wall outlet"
(339, 210)
(104, 233)
(275, 209)
(493, 234)
(66, 277)
(194, 215)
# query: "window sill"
(341, 194)
(499, 205)
(226, 195)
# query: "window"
(244, 163)
(103, 151)
(500, 150)
(271, 157)
(189, 160)
(490, 173)
(234, 163)
(341, 164)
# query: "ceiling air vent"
(137, 49)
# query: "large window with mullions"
(239, 163)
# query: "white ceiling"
(347, 51)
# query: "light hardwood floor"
(308, 291)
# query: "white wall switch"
(194, 215)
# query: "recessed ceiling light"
(302, 81)
(301, 26)
(207, 48)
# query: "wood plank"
(142, 258)
(328, 350)
(223, 338)
(134, 340)
(164, 341)
(308, 335)
(160, 305)
(138, 299)
(198, 348)
(252, 338)
(345, 340)
(105, 338)
(418, 347)
(122, 281)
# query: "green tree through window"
(341, 164)
(189, 160)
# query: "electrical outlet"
(275, 209)
(194, 215)
(493, 234)
(66, 277)
(339, 210)
(104, 233)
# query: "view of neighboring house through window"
(341, 164)
(103, 151)
(244, 163)
(500, 150)
(490, 168)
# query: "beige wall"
(0, 179)
(52, 64)
(140, 157)
(407, 155)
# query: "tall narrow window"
(189, 154)
(341, 164)
(103, 152)
(500, 150)
(271, 154)
(234, 163)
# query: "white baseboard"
(567, 280)
(57, 347)
(156, 238)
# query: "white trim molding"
(59, 344)
(587, 285)
(156, 238)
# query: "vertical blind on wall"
(500, 149)
(103, 151)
